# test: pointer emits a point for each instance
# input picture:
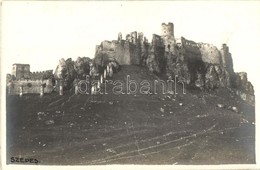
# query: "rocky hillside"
(213, 127)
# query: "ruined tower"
(225, 55)
(227, 61)
(119, 37)
(167, 29)
(21, 71)
(133, 37)
(167, 34)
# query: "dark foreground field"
(131, 129)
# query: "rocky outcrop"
(244, 88)
(223, 76)
(68, 71)
(103, 59)
(60, 69)
(243, 84)
(65, 72)
(82, 66)
(215, 77)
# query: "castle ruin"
(20, 71)
(200, 65)
(25, 81)
(130, 51)
(135, 49)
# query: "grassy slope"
(132, 129)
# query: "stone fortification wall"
(125, 52)
(30, 86)
(167, 29)
(38, 75)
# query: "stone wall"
(30, 86)
(157, 41)
(133, 37)
(169, 43)
(125, 52)
(210, 53)
(144, 51)
(116, 50)
(41, 75)
(156, 60)
(108, 45)
(21, 71)
(135, 53)
(167, 29)
(191, 49)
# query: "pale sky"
(40, 33)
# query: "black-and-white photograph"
(129, 82)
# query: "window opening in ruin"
(29, 85)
